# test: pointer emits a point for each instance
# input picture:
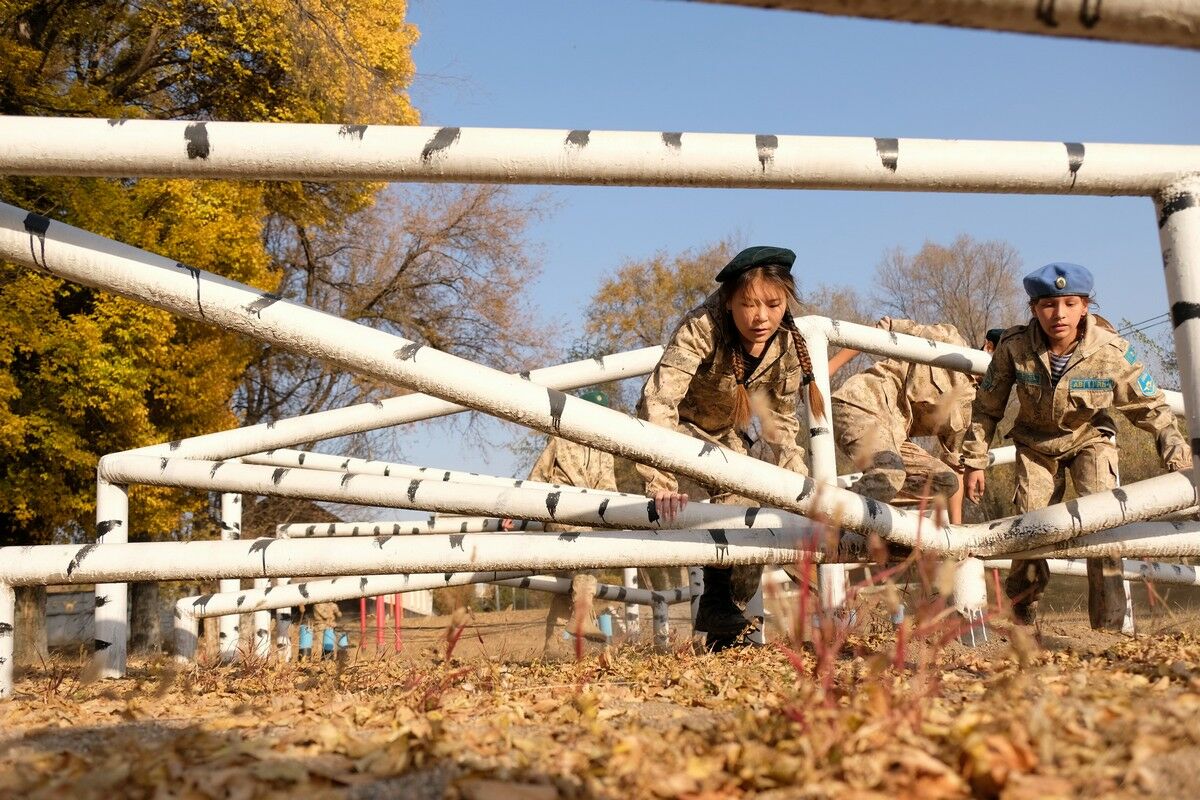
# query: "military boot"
(718, 614)
(583, 623)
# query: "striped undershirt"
(1058, 365)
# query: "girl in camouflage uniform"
(878, 412)
(729, 360)
(1071, 371)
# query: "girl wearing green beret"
(734, 359)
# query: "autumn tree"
(83, 373)
(971, 284)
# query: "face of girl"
(757, 310)
(1060, 317)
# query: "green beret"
(753, 257)
(596, 396)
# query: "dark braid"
(816, 401)
(741, 397)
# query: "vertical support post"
(662, 629)
(398, 618)
(229, 626)
(822, 461)
(1178, 209)
(970, 599)
(379, 615)
(696, 585)
(8, 619)
(112, 599)
(262, 624)
(633, 619)
(1127, 623)
(283, 635)
(187, 636)
(362, 622)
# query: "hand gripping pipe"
(290, 151)
(1175, 23)
(188, 610)
(102, 263)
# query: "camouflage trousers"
(889, 467)
(1041, 481)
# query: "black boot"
(718, 615)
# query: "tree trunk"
(146, 623)
(31, 650)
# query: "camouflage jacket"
(916, 399)
(1103, 376)
(325, 615)
(693, 390)
(570, 464)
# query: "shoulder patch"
(1130, 356)
(1147, 385)
(1030, 378)
(1092, 384)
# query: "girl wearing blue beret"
(1070, 371)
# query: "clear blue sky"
(668, 65)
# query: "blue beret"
(753, 257)
(1059, 279)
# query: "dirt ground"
(471, 709)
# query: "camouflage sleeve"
(572, 460)
(781, 426)
(608, 476)
(667, 386)
(543, 469)
(939, 333)
(991, 398)
(1138, 397)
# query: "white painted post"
(229, 630)
(970, 599)
(1178, 208)
(187, 635)
(283, 624)
(262, 624)
(112, 605)
(8, 621)
(822, 459)
(696, 584)
(662, 629)
(633, 620)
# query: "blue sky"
(670, 65)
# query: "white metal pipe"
(393, 411)
(291, 151)
(1178, 209)
(696, 588)
(283, 640)
(308, 530)
(331, 590)
(8, 621)
(1147, 540)
(371, 490)
(661, 614)
(294, 459)
(94, 261)
(604, 591)
(970, 600)
(1131, 570)
(112, 599)
(36, 565)
(1174, 23)
(996, 457)
(229, 628)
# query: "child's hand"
(974, 483)
(669, 505)
(506, 524)
(884, 324)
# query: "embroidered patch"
(1031, 378)
(1130, 356)
(1092, 384)
(1147, 385)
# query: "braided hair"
(778, 277)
